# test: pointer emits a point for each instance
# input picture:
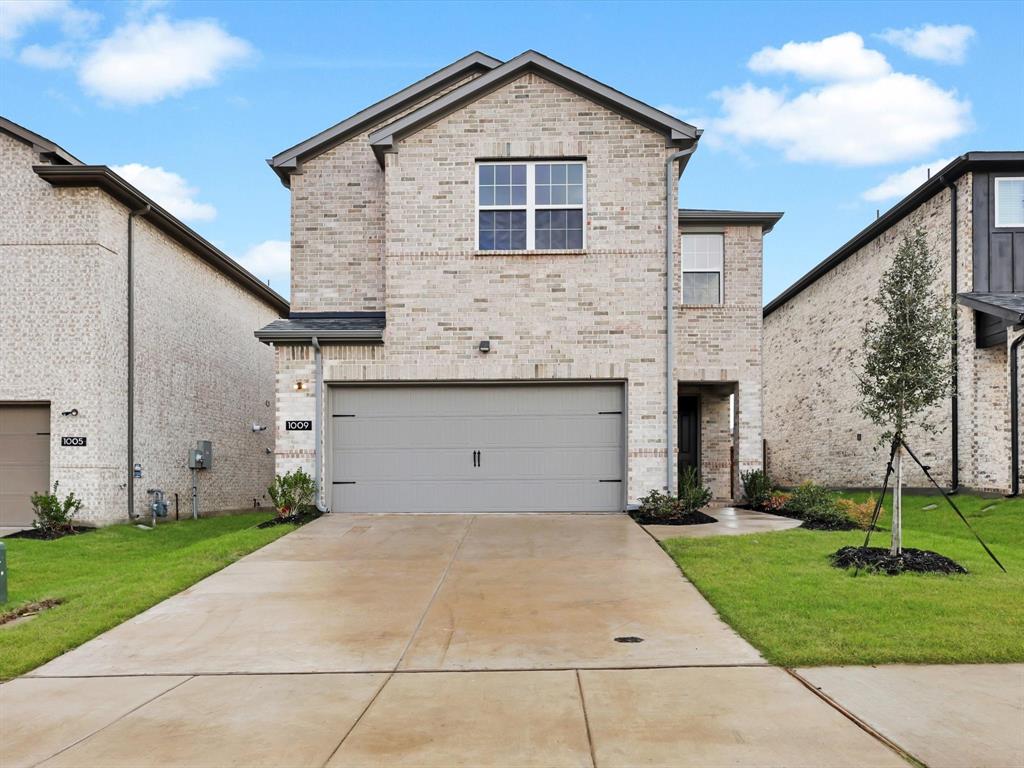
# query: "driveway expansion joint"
(913, 760)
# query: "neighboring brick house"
(478, 301)
(973, 213)
(67, 237)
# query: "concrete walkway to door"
(430, 640)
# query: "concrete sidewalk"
(437, 640)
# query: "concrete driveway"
(441, 640)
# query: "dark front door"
(689, 433)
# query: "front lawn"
(111, 575)
(779, 591)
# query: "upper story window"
(1010, 201)
(703, 260)
(531, 206)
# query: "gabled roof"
(283, 163)
(336, 327)
(45, 148)
(701, 216)
(675, 130)
(971, 161)
(103, 178)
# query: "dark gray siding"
(998, 253)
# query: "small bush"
(693, 496)
(776, 502)
(859, 513)
(756, 487)
(55, 516)
(292, 492)
(809, 499)
(657, 505)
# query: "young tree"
(906, 368)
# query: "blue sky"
(188, 99)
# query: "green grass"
(779, 591)
(111, 575)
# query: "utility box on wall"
(201, 457)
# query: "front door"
(689, 432)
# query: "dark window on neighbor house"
(1009, 201)
(703, 262)
(531, 206)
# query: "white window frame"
(683, 270)
(531, 206)
(995, 210)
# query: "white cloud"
(854, 119)
(270, 260)
(903, 183)
(16, 16)
(144, 62)
(168, 189)
(47, 57)
(840, 57)
(944, 44)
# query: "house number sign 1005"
(300, 426)
(73, 442)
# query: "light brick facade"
(596, 314)
(199, 372)
(812, 425)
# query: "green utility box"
(3, 572)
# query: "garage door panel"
(482, 496)
(542, 448)
(24, 460)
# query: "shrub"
(292, 492)
(693, 496)
(859, 513)
(809, 499)
(659, 505)
(55, 515)
(756, 487)
(828, 518)
(776, 502)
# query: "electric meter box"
(201, 457)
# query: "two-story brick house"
(478, 298)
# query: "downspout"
(1015, 416)
(955, 397)
(318, 396)
(131, 359)
(671, 225)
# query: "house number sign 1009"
(300, 426)
(73, 442)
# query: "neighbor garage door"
(24, 460)
(477, 448)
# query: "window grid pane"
(701, 288)
(559, 229)
(502, 230)
(502, 184)
(559, 184)
(1010, 202)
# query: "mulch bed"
(30, 609)
(42, 535)
(299, 518)
(691, 518)
(910, 561)
(827, 525)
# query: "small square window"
(1009, 201)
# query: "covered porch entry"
(707, 435)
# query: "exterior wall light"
(485, 346)
(299, 386)
(258, 427)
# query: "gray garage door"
(24, 460)
(477, 448)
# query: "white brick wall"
(63, 334)
(810, 399)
